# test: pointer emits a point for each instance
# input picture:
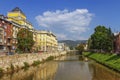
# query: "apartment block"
(47, 41)
(6, 35)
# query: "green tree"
(80, 48)
(101, 39)
(25, 40)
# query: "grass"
(110, 60)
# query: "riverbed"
(65, 68)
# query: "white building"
(62, 47)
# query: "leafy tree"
(101, 39)
(71, 48)
(25, 40)
(80, 48)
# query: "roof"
(17, 9)
(2, 17)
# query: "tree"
(80, 48)
(25, 40)
(101, 39)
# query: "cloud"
(61, 36)
(66, 24)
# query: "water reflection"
(65, 68)
(102, 73)
(44, 71)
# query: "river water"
(65, 68)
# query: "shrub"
(12, 67)
(1, 70)
(50, 58)
(35, 63)
(26, 65)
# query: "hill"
(72, 43)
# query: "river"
(65, 68)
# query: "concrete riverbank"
(18, 60)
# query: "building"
(16, 28)
(46, 41)
(6, 35)
(36, 38)
(117, 42)
(19, 20)
(10, 26)
(86, 47)
(17, 16)
(63, 47)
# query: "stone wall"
(19, 59)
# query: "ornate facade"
(6, 35)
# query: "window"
(19, 17)
(4, 48)
(3, 22)
(1, 47)
(5, 33)
(0, 40)
(4, 41)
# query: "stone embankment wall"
(19, 59)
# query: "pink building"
(5, 35)
(117, 43)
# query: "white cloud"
(61, 36)
(71, 23)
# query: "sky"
(68, 19)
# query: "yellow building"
(36, 38)
(17, 16)
(19, 20)
(47, 41)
